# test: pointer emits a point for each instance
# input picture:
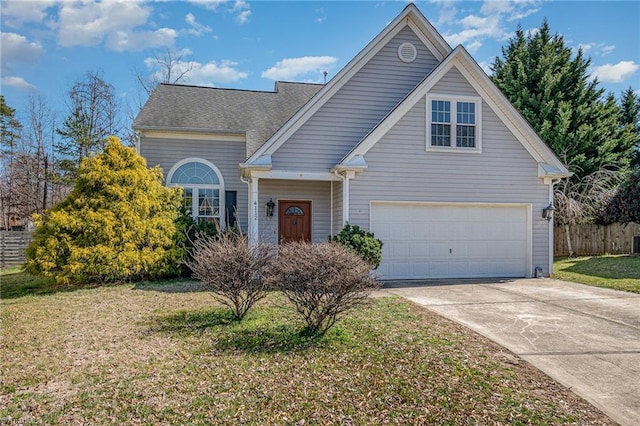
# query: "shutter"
(230, 201)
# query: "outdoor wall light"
(548, 212)
(269, 208)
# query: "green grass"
(615, 272)
(167, 353)
(15, 283)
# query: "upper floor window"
(453, 123)
(203, 188)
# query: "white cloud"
(243, 16)
(15, 13)
(299, 68)
(512, 10)
(121, 41)
(17, 82)
(447, 13)
(488, 24)
(200, 74)
(597, 48)
(615, 73)
(473, 46)
(216, 73)
(197, 29)
(321, 16)
(208, 4)
(91, 23)
(240, 8)
(16, 48)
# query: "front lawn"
(166, 353)
(615, 272)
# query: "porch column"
(253, 211)
(552, 227)
(349, 174)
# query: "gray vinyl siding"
(319, 192)
(225, 155)
(400, 169)
(355, 109)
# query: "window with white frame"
(453, 123)
(203, 189)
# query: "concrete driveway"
(586, 338)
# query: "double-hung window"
(453, 123)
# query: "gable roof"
(473, 73)
(175, 107)
(410, 16)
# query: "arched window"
(203, 188)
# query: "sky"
(46, 46)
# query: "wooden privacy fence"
(12, 247)
(590, 240)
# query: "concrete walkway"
(586, 338)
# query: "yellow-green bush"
(119, 223)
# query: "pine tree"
(630, 109)
(551, 89)
(119, 223)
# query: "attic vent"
(407, 52)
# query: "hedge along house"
(411, 140)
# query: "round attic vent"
(407, 52)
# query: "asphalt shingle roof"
(194, 108)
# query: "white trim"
(292, 175)
(345, 200)
(331, 211)
(195, 160)
(489, 93)
(197, 136)
(528, 215)
(439, 53)
(551, 233)
(254, 211)
(222, 206)
(477, 101)
(335, 84)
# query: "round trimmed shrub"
(362, 242)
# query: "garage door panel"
(440, 231)
(401, 269)
(447, 241)
(400, 250)
(419, 251)
(382, 231)
(420, 228)
(400, 230)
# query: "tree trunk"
(567, 233)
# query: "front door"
(294, 221)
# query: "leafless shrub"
(234, 271)
(581, 201)
(322, 281)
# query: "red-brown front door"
(294, 221)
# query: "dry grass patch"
(169, 354)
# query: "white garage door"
(451, 241)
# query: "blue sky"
(48, 45)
